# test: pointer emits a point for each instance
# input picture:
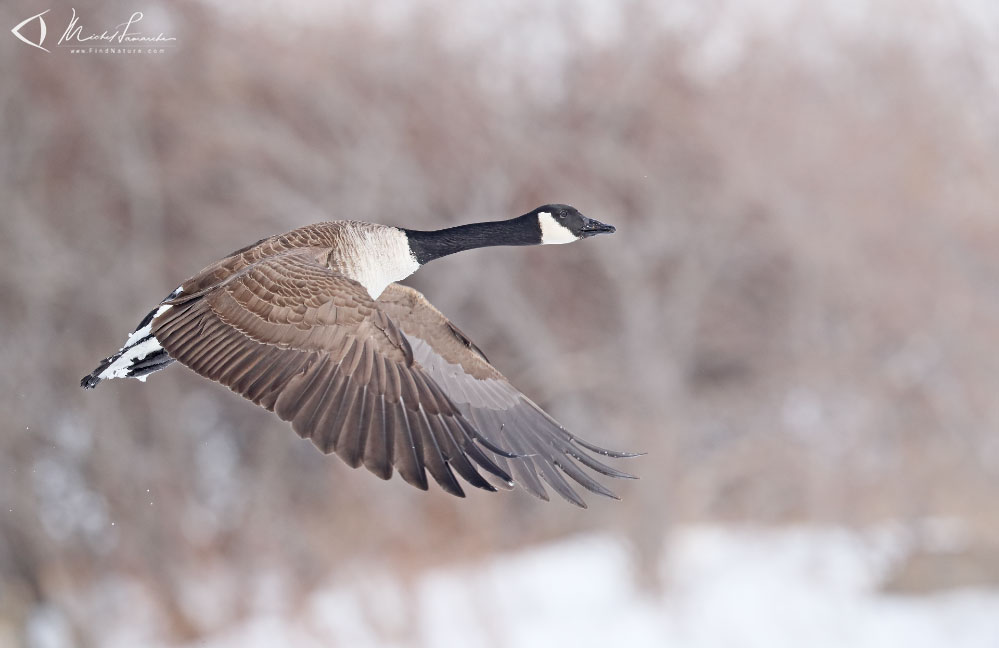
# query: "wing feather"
(378, 445)
(390, 384)
(409, 450)
(433, 457)
(291, 335)
(524, 441)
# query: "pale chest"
(374, 256)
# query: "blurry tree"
(795, 320)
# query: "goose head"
(564, 224)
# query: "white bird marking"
(140, 343)
(140, 334)
(376, 257)
(553, 232)
(120, 367)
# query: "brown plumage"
(389, 383)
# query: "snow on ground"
(723, 586)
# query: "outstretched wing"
(500, 413)
(294, 337)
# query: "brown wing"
(298, 339)
(501, 414)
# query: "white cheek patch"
(552, 232)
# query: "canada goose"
(311, 326)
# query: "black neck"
(427, 246)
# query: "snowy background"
(796, 320)
(723, 586)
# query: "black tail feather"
(152, 362)
(155, 361)
(90, 381)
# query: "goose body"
(312, 325)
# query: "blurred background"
(797, 320)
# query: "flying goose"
(310, 325)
